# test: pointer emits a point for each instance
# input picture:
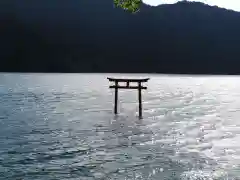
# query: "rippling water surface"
(62, 127)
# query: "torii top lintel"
(128, 80)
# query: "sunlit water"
(62, 127)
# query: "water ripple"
(62, 130)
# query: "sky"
(228, 4)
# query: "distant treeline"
(93, 36)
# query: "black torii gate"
(116, 86)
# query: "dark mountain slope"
(92, 36)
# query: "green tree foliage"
(132, 6)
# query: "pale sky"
(228, 4)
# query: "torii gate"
(116, 86)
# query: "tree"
(132, 6)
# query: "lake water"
(61, 126)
